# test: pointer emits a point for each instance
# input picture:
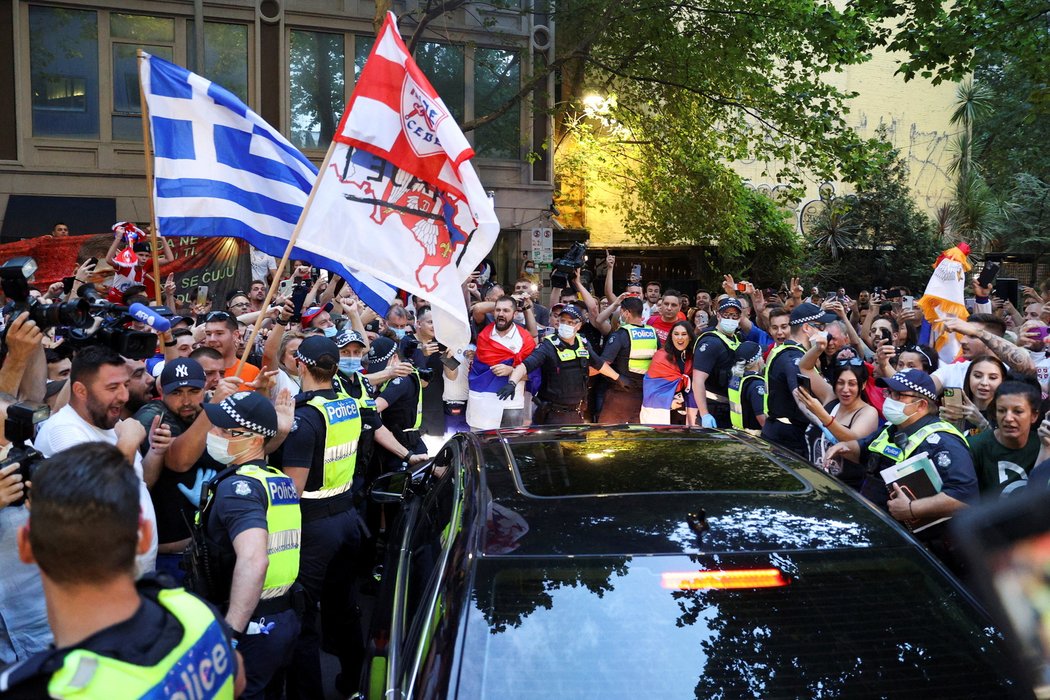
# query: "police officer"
(352, 349)
(565, 363)
(399, 401)
(320, 454)
(747, 389)
(245, 556)
(713, 359)
(113, 637)
(914, 426)
(785, 423)
(626, 358)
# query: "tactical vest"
(884, 448)
(342, 420)
(554, 387)
(737, 386)
(200, 666)
(777, 349)
(284, 531)
(643, 345)
(418, 421)
(725, 373)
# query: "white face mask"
(219, 449)
(565, 331)
(728, 325)
(894, 411)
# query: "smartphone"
(92, 261)
(67, 285)
(450, 362)
(953, 396)
(202, 295)
(805, 383)
(741, 286)
(1008, 288)
(298, 297)
(908, 303)
(988, 274)
(1040, 332)
(285, 288)
(636, 272)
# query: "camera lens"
(74, 314)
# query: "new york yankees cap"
(180, 372)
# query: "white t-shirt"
(67, 429)
(952, 375)
(261, 263)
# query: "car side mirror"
(391, 487)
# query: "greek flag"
(220, 170)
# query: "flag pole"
(147, 150)
(271, 292)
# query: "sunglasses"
(217, 316)
(851, 362)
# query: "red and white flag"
(397, 196)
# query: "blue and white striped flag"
(220, 170)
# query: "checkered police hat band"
(918, 389)
(304, 359)
(806, 319)
(387, 356)
(231, 410)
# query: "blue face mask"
(331, 332)
(349, 365)
(399, 332)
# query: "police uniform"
(173, 644)
(629, 350)
(403, 414)
(713, 353)
(245, 497)
(785, 422)
(563, 388)
(747, 395)
(325, 437)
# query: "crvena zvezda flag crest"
(398, 197)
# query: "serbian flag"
(397, 196)
(484, 408)
(661, 383)
(943, 299)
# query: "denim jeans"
(24, 630)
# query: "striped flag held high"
(220, 170)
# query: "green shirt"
(999, 468)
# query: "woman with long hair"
(665, 389)
(839, 413)
(975, 411)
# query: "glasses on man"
(850, 362)
(818, 326)
(217, 316)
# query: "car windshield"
(847, 624)
(584, 466)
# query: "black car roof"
(600, 490)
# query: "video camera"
(19, 427)
(564, 268)
(14, 279)
(107, 328)
(407, 351)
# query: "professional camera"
(408, 348)
(19, 427)
(14, 279)
(107, 328)
(425, 373)
(564, 268)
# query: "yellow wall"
(915, 113)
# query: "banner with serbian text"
(223, 264)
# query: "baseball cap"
(313, 351)
(245, 410)
(380, 352)
(180, 372)
(348, 336)
(810, 313)
(914, 381)
(311, 313)
(571, 310)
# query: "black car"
(641, 562)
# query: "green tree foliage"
(893, 241)
(1025, 225)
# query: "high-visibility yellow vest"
(737, 385)
(777, 349)
(882, 445)
(643, 345)
(342, 419)
(201, 666)
(284, 526)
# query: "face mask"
(528, 270)
(331, 332)
(219, 449)
(565, 331)
(349, 365)
(894, 411)
(728, 325)
(399, 332)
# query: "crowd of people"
(245, 481)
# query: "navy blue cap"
(914, 381)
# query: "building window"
(362, 48)
(63, 60)
(497, 78)
(225, 55)
(443, 66)
(155, 35)
(315, 79)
